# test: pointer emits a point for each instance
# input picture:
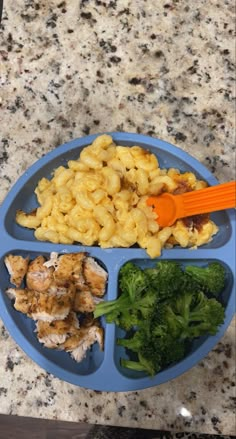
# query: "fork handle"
(211, 199)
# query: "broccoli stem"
(134, 344)
(196, 316)
(134, 365)
(123, 342)
(106, 307)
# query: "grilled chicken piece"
(17, 268)
(43, 306)
(80, 283)
(84, 302)
(55, 333)
(95, 276)
(78, 344)
(58, 290)
(51, 307)
(39, 277)
(69, 268)
(24, 299)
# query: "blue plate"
(102, 370)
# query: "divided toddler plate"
(102, 370)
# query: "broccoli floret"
(165, 278)
(164, 350)
(142, 365)
(172, 350)
(206, 316)
(113, 317)
(132, 280)
(134, 343)
(129, 319)
(148, 359)
(158, 323)
(125, 313)
(210, 279)
(136, 297)
(146, 303)
(154, 353)
(192, 315)
(188, 284)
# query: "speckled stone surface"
(69, 68)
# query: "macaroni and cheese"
(101, 199)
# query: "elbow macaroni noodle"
(101, 199)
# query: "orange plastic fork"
(170, 207)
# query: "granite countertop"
(69, 68)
